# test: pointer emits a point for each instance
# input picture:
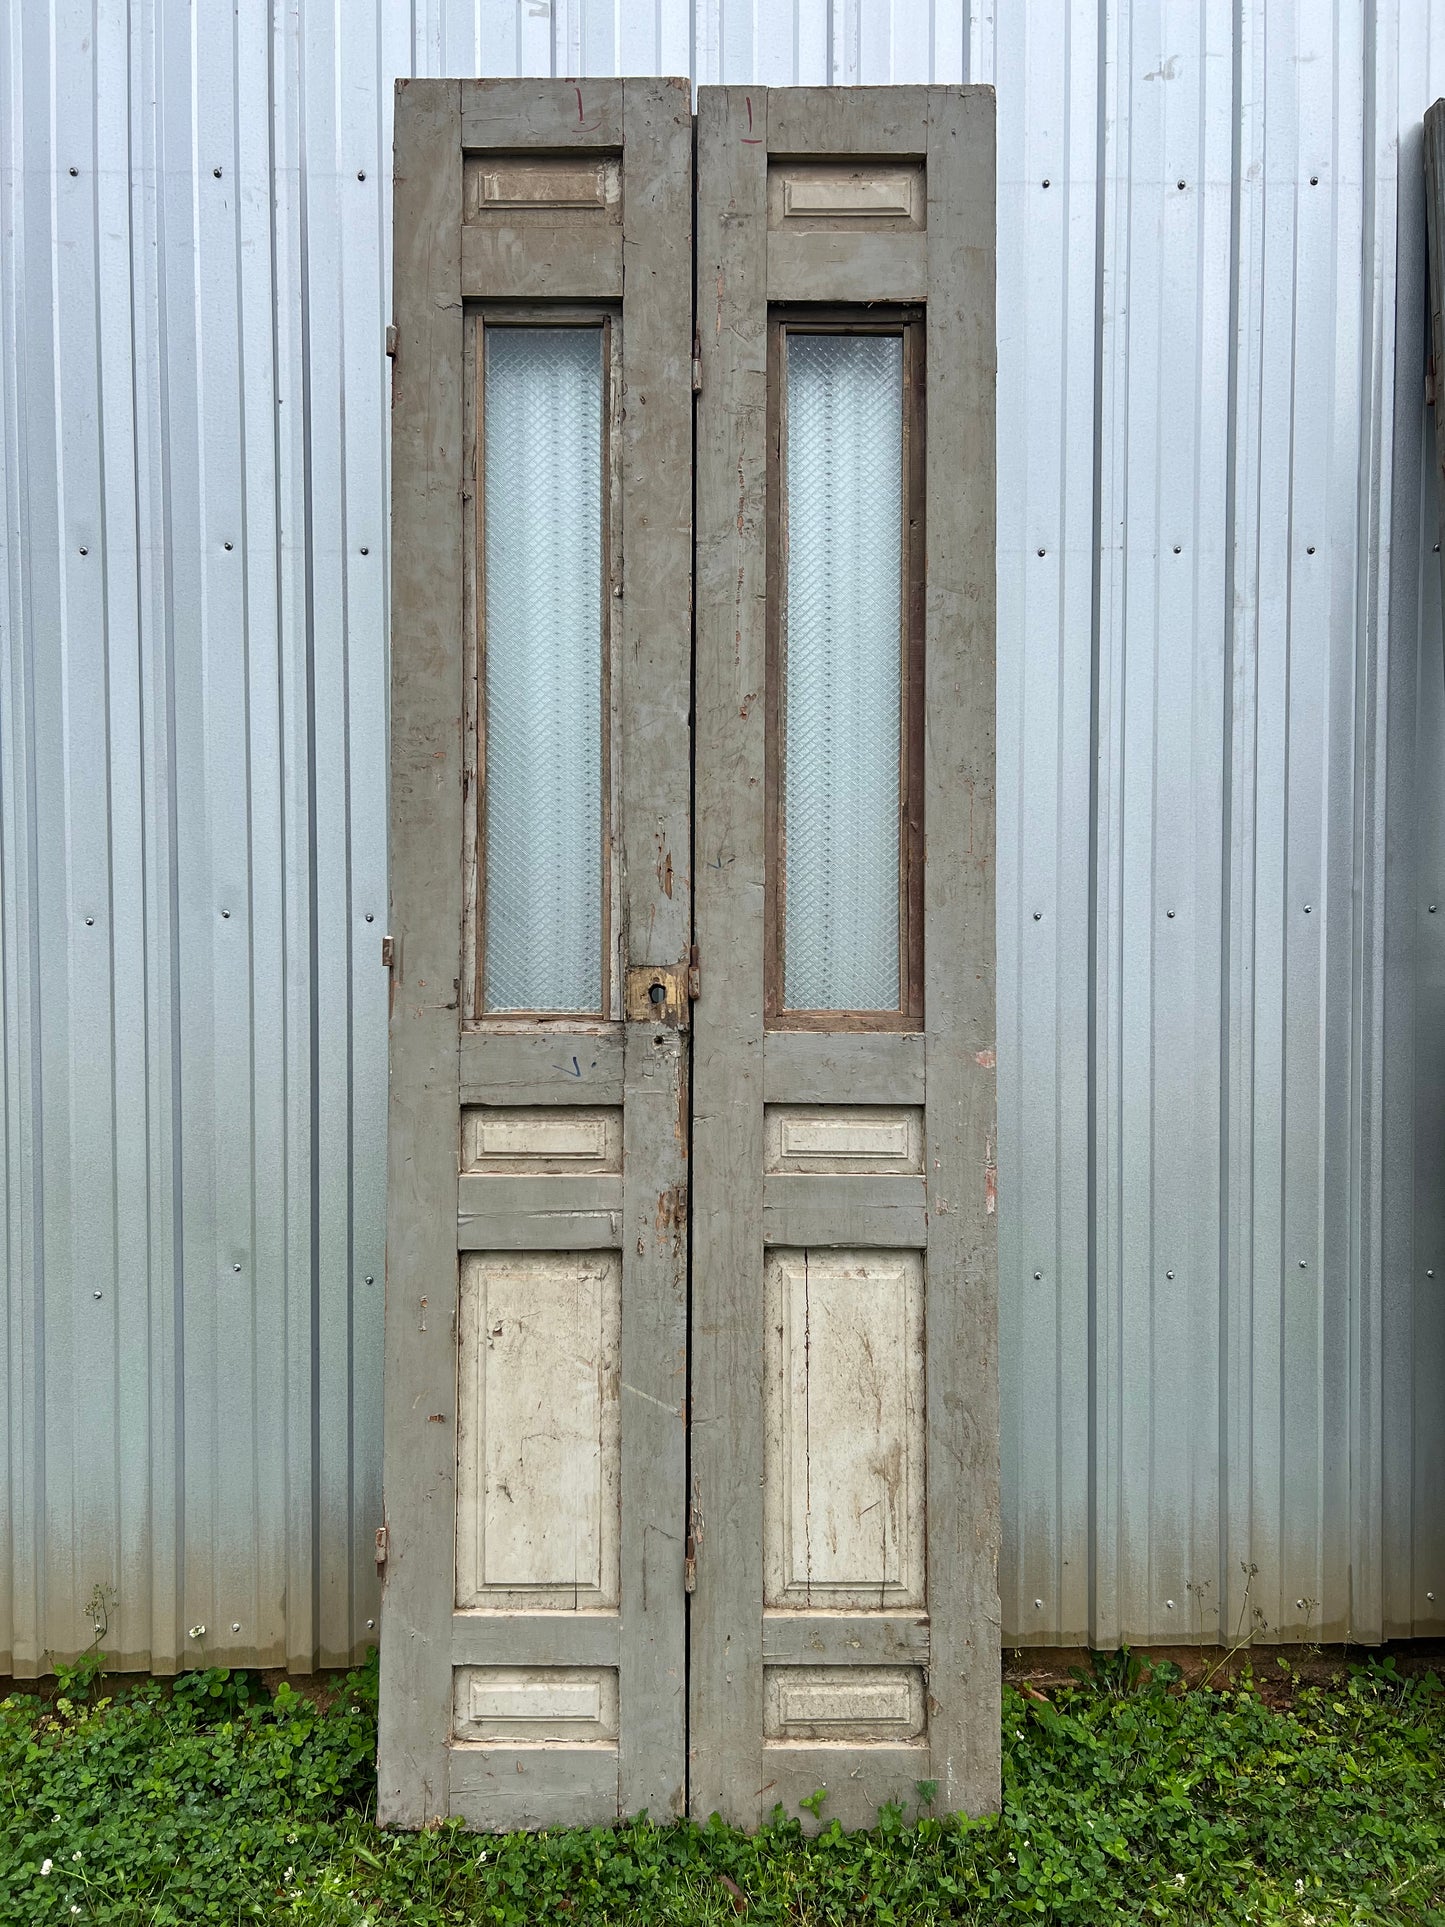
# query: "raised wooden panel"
(843, 1462)
(538, 1431)
(816, 1137)
(843, 1703)
(808, 196)
(550, 184)
(542, 1139)
(517, 1704)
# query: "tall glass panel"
(542, 638)
(841, 744)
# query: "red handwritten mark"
(757, 141)
(578, 92)
(985, 1059)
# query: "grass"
(1127, 1796)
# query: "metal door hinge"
(696, 363)
(694, 974)
(388, 953)
(380, 1547)
(391, 338)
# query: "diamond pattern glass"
(542, 629)
(841, 741)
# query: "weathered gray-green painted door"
(640, 1552)
(533, 1666)
(844, 1628)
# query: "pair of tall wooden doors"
(691, 1424)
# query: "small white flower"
(46, 1865)
(55, 1819)
(75, 1910)
(76, 1854)
(289, 1873)
(1179, 1880)
(482, 1858)
(1299, 1887)
(291, 1840)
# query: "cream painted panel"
(843, 1445)
(843, 1703)
(808, 196)
(538, 1430)
(524, 1703)
(499, 184)
(541, 1138)
(843, 1137)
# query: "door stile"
(656, 844)
(415, 1544)
(725, 1620)
(960, 1106)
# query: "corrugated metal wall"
(1222, 718)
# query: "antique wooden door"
(844, 1629)
(536, 1323)
(691, 1421)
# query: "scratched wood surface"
(655, 666)
(725, 1653)
(419, 1452)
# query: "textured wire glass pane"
(844, 671)
(542, 433)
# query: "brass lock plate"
(657, 994)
